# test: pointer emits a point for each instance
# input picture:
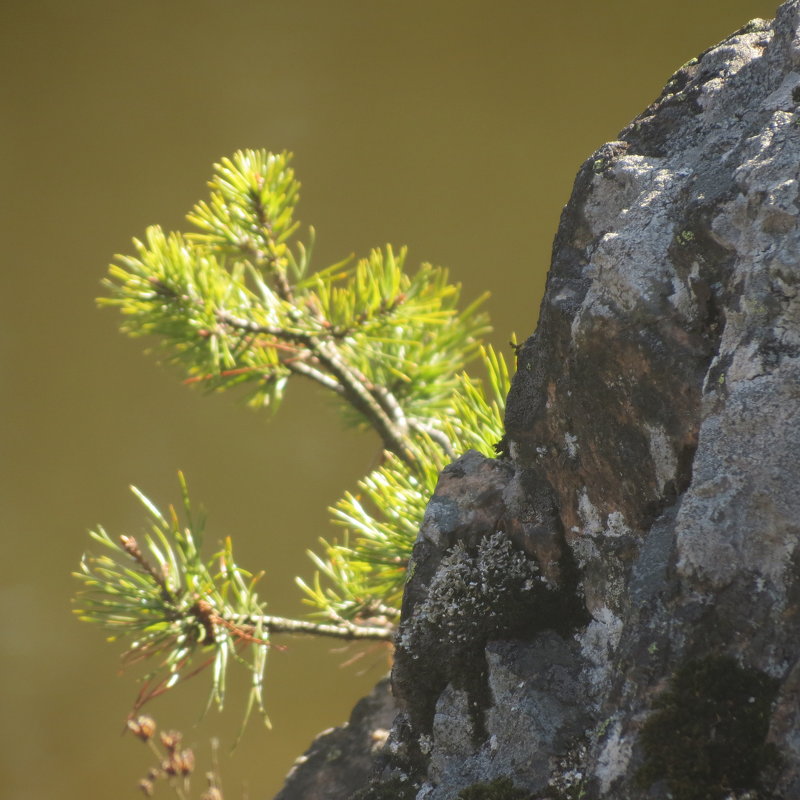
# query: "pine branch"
(389, 345)
(355, 388)
(345, 630)
(382, 520)
(233, 303)
(176, 607)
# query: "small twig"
(302, 368)
(353, 386)
(390, 404)
(131, 547)
(239, 323)
(435, 435)
(226, 373)
(278, 274)
(392, 435)
(348, 631)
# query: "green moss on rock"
(707, 735)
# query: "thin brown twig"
(349, 631)
(131, 547)
(354, 385)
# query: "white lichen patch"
(616, 525)
(601, 636)
(662, 453)
(569, 779)
(571, 445)
(682, 298)
(630, 263)
(592, 519)
(584, 550)
(590, 516)
(614, 758)
(740, 515)
(467, 593)
(452, 739)
(598, 642)
(781, 99)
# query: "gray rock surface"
(340, 760)
(612, 610)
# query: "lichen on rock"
(654, 410)
(615, 602)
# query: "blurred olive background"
(454, 127)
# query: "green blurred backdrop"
(454, 127)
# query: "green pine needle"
(234, 302)
(171, 605)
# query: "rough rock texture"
(612, 609)
(339, 760)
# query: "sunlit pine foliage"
(174, 609)
(364, 574)
(234, 303)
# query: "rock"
(340, 760)
(613, 610)
(654, 417)
(666, 362)
(485, 566)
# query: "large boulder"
(611, 609)
(652, 484)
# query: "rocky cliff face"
(612, 608)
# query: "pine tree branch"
(393, 436)
(265, 261)
(302, 368)
(234, 305)
(434, 435)
(344, 630)
(353, 386)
